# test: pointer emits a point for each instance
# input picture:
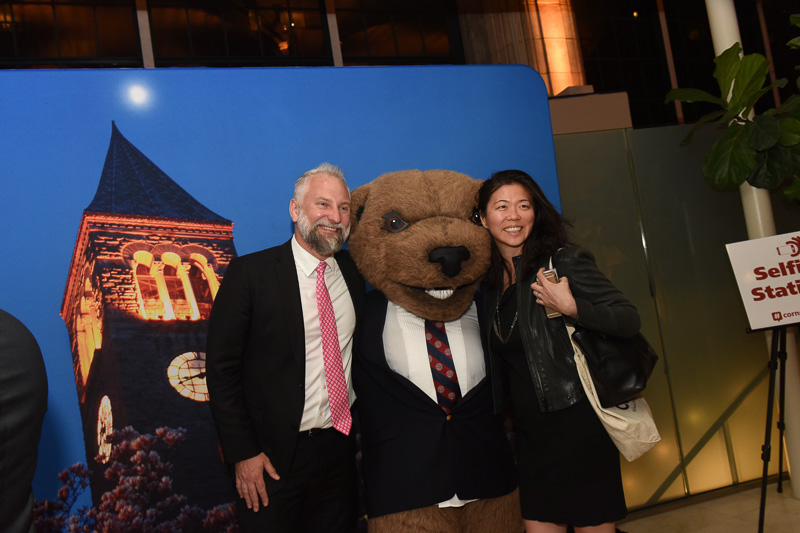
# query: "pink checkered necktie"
(338, 396)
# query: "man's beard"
(323, 244)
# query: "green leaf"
(796, 157)
(692, 95)
(794, 43)
(730, 161)
(753, 72)
(793, 190)
(794, 19)
(755, 97)
(702, 121)
(790, 132)
(790, 107)
(773, 167)
(764, 132)
(727, 64)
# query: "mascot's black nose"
(450, 257)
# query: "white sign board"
(768, 273)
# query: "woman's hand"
(555, 295)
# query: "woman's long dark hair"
(549, 227)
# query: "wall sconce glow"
(138, 95)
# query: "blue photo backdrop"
(235, 139)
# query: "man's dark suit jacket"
(413, 454)
(256, 354)
(23, 402)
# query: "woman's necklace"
(496, 322)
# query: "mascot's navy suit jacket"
(257, 356)
(413, 454)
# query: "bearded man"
(279, 355)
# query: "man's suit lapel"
(286, 274)
(354, 281)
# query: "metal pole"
(760, 223)
(145, 38)
(333, 29)
(766, 449)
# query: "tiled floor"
(733, 513)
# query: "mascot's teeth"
(441, 294)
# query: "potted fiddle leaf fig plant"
(762, 149)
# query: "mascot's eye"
(475, 217)
(394, 222)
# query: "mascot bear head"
(416, 236)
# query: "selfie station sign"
(767, 271)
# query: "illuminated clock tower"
(145, 269)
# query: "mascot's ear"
(358, 200)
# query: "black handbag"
(619, 367)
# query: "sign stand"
(767, 272)
(777, 359)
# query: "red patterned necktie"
(334, 371)
(442, 367)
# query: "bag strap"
(553, 262)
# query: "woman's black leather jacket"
(601, 307)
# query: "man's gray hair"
(301, 185)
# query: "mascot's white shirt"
(407, 354)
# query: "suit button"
(449, 417)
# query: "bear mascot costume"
(435, 456)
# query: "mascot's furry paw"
(496, 515)
(492, 515)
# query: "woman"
(569, 467)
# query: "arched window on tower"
(89, 328)
(178, 287)
(150, 304)
(204, 282)
(201, 289)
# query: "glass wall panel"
(380, 34)
(352, 33)
(309, 33)
(713, 362)
(117, 32)
(273, 30)
(710, 469)
(7, 42)
(708, 393)
(374, 32)
(747, 438)
(35, 31)
(408, 32)
(67, 33)
(597, 195)
(240, 33)
(170, 32)
(207, 35)
(434, 29)
(76, 31)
